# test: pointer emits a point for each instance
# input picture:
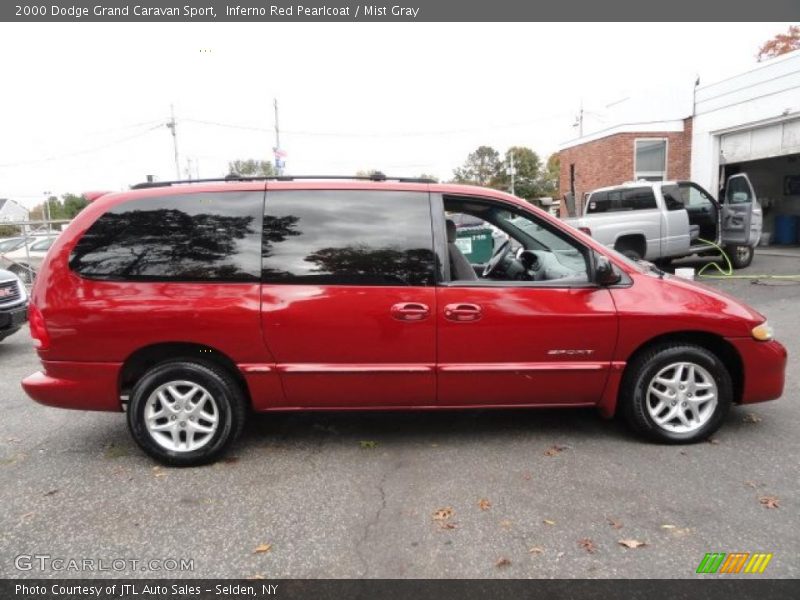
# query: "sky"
(84, 105)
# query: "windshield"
(563, 251)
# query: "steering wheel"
(497, 258)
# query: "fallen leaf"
(588, 545)
(158, 473)
(769, 501)
(668, 527)
(443, 514)
(484, 504)
(751, 418)
(632, 543)
(113, 452)
(448, 525)
(506, 523)
(615, 524)
(555, 449)
(536, 550)
(28, 515)
(502, 562)
(51, 493)
(262, 548)
(753, 484)
(366, 444)
(548, 522)
(713, 441)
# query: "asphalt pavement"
(459, 494)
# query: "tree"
(780, 44)
(549, 179)
(73, 205)
(60, 210)
(480, 168)
(251, 167)
(527, 167)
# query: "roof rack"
(234, 177)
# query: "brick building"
(654, 151)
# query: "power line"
(81, 152)
(374, 135)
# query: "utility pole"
(511, 170)
(171, 126)
(579, 121)
(279, 162)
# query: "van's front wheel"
(186, 413)
(676, 393)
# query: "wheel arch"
(145, 358)
(634, 241)
(712, 342)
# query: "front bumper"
(12, 318)
(77, 385)
(764, 365)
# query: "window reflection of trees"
(166, 244)
(353, 264)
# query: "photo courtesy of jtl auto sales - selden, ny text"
(434, 300)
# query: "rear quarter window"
(191, 237)
(641, 198)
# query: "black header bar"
(400, 10)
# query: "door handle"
(410, 311)
(462, 312)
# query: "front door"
(742, 218)
(348, 303)
(531, 329)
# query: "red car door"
(348, 298)
(514, 341)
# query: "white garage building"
(751, 123)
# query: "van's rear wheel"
(741, 256)
(676, 393)
(186, 413)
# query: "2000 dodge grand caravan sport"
(190, 304)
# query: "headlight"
(762, 333)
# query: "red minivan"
(187, 305)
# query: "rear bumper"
(764, 369)
(78, 385)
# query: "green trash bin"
(476, 243)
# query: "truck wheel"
(741, 256)
(186, 413)
(676, 393)
(630, 253)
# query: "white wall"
(769, 93)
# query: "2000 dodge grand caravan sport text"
(190, 304)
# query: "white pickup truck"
(661, 220)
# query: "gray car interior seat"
(459, 265)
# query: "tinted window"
(672, 197)
(622, 200)
(348, 238)
(192, 237)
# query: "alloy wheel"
(682, 397)
(181, 416)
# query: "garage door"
(777, 139)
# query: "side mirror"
(604, 273)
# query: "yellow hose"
(729, 273)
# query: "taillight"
(41, 339)
(585, 230)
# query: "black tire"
(741, 256)
(628, 251)
(226, 393)
(639, 374)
